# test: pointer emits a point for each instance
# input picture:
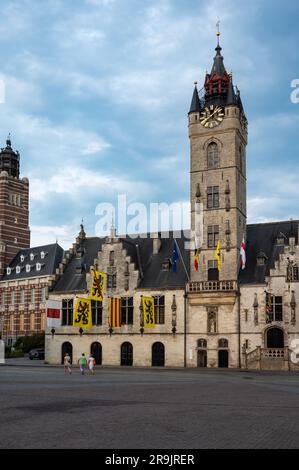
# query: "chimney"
(156, 242)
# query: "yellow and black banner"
(82, 314)
(218, 255)
(97, 286)
(148, 312)
(114, 313)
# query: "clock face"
(211, 116)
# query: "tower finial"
(218, 31)
(8, 140)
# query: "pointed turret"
(218, 65)
(217, 82)
(195, 103)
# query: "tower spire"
(218, 34)
(195, 103)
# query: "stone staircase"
(267, 359)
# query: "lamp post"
(141, 317)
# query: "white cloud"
(47, 234)
(78, 182)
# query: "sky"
(97, 94)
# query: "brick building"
(24, 290)
(14, 206)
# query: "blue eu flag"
(175, 257)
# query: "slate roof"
(262, 238)
(140, 250)
(195, 106)
(53, 256)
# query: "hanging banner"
(82, 314)
(148, 312)
(54, 313)
(97, 286)
(114, 313)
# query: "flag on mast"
(218, 255)
(196, 259)
(243, 254)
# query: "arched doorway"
(96, 352)
(202, 353)
(158, 355)
(222, 358)
(126, 354)
(66, 348)
(275, 338)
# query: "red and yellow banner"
(97, 286)
(82, 314)
(148, 312)
(114, 313)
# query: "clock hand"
(216, 110)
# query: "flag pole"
(180, 254)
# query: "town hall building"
(208, 313)
(205, 316)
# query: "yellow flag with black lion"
(97, 286)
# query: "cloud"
(79, 182)
(98, 92)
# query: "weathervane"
(218, 30)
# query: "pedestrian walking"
(82, 363)
(91, 364)
(67, 362)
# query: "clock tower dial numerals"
(211, 116)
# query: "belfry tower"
(14, 206)
(218, 139)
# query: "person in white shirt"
(91, 364)
(67, 364)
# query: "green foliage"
(25, 343)
(11, 352)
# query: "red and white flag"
(243, 254)
(54, 313)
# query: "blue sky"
(97, 95)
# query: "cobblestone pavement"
(125, 408)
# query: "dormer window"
(166, 264)
(43, 255)
(8, 271)
(18, 269)
(38, 266)
(28, 267)
(22, 258)
(261, 259)
(31, 256)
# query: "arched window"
(202, 343)
(213, 155)
(223, 343)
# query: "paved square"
(127, 408)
